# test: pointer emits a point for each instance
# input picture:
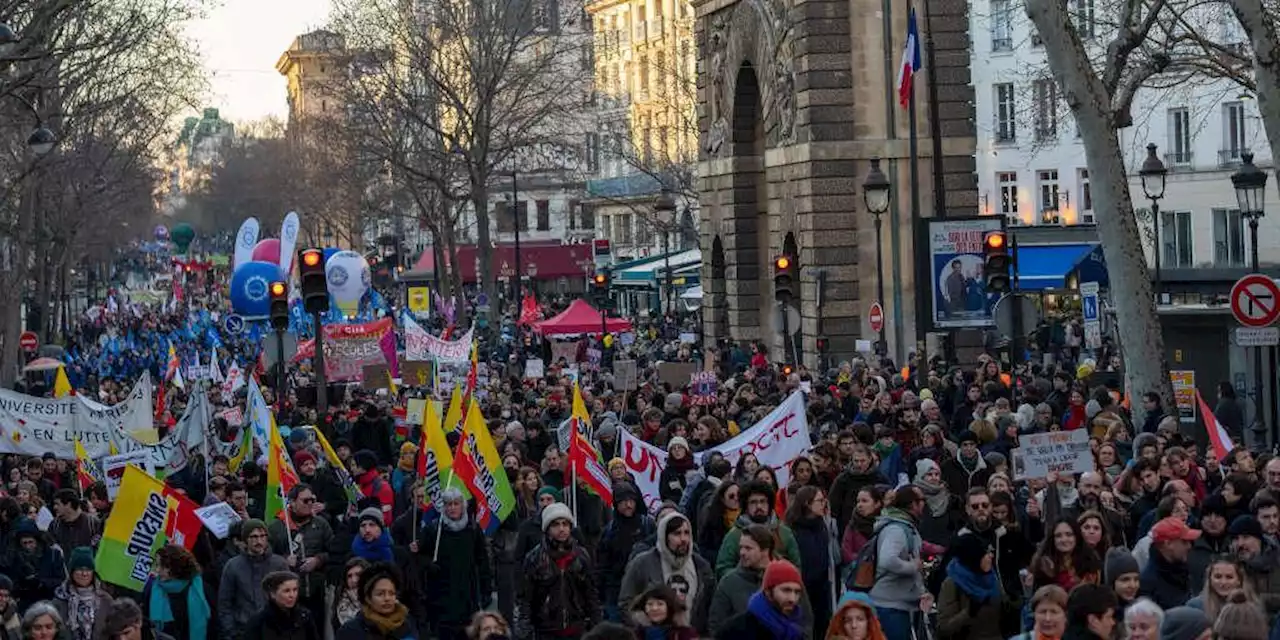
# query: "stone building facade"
(794, 98)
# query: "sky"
(241, 41)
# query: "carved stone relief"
(759, 31)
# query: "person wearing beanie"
(81, 600)
(660, 612)
(967, 469)
(1241, 619)
(969, 602)
(240, 592)
(755, 499)
(460, 580)
(43, 564)
(1261, 561)
(1121, 573)
(406, 469)
(558, 595)
(364, 469)
(1185, 623)
(1213, 540)
(941, 507)
(330, 498)
(672, 562)
(675, 477)
(773, 611)
(631, 524)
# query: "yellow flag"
(580, 409)
(453, 415)
(391, 385)
(437, 459)
(61, 385)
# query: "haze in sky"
(241, 41)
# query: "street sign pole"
(1092, 320)
(322, 388)
(1255, 303)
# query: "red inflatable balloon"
(267, 251)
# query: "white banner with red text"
(777, 440)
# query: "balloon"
(182, 234)
(249, 288)
(162, 232)
(349, 278)
(267, 251)
(329, 252)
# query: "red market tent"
(579, 318)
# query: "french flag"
(1222, 444)
(910, 61)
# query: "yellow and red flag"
(84, 467)
(281, 476)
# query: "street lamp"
(1250, 184)
(875, 193)
(1153, 173)
(665, 208)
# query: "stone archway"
(715, 316)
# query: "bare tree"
(449, 96)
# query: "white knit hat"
(556, 511)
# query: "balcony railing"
(1230, 157)
(1001, 44)
(1178, 158)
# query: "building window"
(1046, 109)
(1179, 136)
(1006, 117)
(1086, 197)
(606, 227)
(544, 215)
(1085, 19)
(1228, 238)
(623, 227)
(1175, 238)
(1047, 182)
(1001, 26)
(502, 211)
(644, 232)
(573, 214)
(1007, 182)
(588, 213)
(1233, 132)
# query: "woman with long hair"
(814, 531)
(1064, 559)
(488, 625)
(765, 473)
(1222, 577)
(281, 618)
(801, 476)
(346, 601)
(745, 470)
(1093, 530)
(527, 486)
(174, 599)
(862, 525)
(855, 619)
(717, 518)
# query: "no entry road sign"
(1255, 300)
(876, 316)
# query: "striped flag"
(85, 470)
(910, 61)
(1218, 437)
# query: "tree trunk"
(455, 278)
(484, 244)
(1142, 339)
(1258, 25)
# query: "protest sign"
(234, 416)
(677, 374)
(777, 440)
(420, 345)
(416, 374)
(375, 376)
(1184, 395)
(415, 411)
(534, 368)
(218, 517)
(703, 387)
(568, 351)
(1059, 452)
(624, 375)
(348, 348)
(113, 469)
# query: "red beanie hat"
(303, 456)
(780, 572)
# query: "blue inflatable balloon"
(329, 252)
(250, 297)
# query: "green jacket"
(727, 559)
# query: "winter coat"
(614, 552)
(818, 558)
(273, 623)
(844, 493)
(556, 592)
(956, 618)
(898, 583)
(460, 581)
(360, 629)
(310, 540)
(36, 575)
(645, 572)
(674, 479)
(736, 588)
(727, 559)
(743, 626)
(102, 604)
(1166, 583)
(959, 480)
(373, 486)
(240, 593)
(1264, 570)
(1203, 551)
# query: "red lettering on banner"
(776, 433)
(647, 461)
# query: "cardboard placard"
(624, 375)
(415, 411)
(1060, 452)
(218, 517)
(677, 374)
(416, 374)
(376, 376)
(534, 369)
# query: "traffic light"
(784, 270)
(600, 286)
(315, 287)
(996, 262)
(279, 306)
(787, 370)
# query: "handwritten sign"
(113, 469)
(1059, 452)
(624, 375)
(219, 517)
(534, 369)
(703, 387)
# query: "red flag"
(528, 311)
(1218, 437)
(588, 468)
(160, 403)
(183, 525)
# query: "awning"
(1047, 266)
(650, 271)
(539, 261)
(692, 293)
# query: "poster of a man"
(960, 296)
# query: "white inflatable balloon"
(349, 278)
(246, 240)
(288, 241)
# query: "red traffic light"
(995, 241)
(279, 289)
(782, 263)
(601, 279)
(312, 257)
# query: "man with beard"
(557, 596)
(674, 564)
(1166, 579)
(1213, 541)
(459, 581)
(756, 499)
(773, 612)
(330, 499)
(844, 491)
(1012, 552)
(1261, 561)
(755, 552)
(304, 543)
(629, 525)
(1088, 498)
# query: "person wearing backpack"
(898, 592)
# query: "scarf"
(982, 588)
(347, 606)
(730, 517)
(779, 625)
(970, 465)
(454, 525)
(81, 611)
(863, 525)
(379, 549)
(882, 450)
(197, 606)
(386, 625)
(936, 497)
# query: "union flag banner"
(477, 465)
(146, 516)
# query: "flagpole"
(435, 553)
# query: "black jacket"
(460, 581)
(844, 493)
(273, 623)
(359, 629)
(552, 599)
(1166, 583)
(744, 626)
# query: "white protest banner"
(777, 440)
(174, 451)
(113, 469)
(218, 517)
(420, 345)
(534, 368)
(1056, 452)
(234, 416)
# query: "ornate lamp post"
(1250, 184)
(875, 193)
(1153, 173)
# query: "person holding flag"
(303, 539)
(460, 577)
